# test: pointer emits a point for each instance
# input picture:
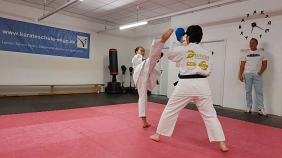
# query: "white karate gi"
(193, 59)
(145, 76)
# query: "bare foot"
(223, 147)
(155, 137)
(146, 125)
(166, 35)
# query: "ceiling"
(114, 13)
(118, 12)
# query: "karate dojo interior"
(58, 106)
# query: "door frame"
(160, 78)
(224, 40)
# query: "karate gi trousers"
(188, 90)
(145, 76)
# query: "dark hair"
(136, 49)
(195, 33)
(254, 40)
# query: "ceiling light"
(133, 25)
(209, 5)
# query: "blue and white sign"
(17, 36)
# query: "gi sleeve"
(175, 53)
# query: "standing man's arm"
(242, 68)
(263, 67)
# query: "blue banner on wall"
(26, 37)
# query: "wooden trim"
(53, 85)
(55, 93)
(95, 90)
(52, 89)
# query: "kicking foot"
(166, 35)
(146, 125)
(155, 137)
(223, 147)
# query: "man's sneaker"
(262, 112)
(248, 110)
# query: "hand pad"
(179, 32)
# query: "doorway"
(162, 66)
(216, 79)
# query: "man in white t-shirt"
(253, 64)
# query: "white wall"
(155, 31)
(24, 68)
(222, 23)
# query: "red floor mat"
(115, 131)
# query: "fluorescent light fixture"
(218, 3)
(133, 25)
(58, 9)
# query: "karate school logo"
(192, 63)
(203, 65)
(82, 42)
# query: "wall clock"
(255, 25)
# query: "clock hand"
(254, 24)
(259, 27)
(252, 29)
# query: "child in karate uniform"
(195, 65)
(145, 76)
